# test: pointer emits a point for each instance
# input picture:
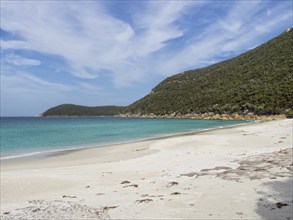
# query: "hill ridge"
(257, 82)
(79, 110)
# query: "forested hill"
(258, 82)
(78, 110)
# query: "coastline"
(193, 175)
(49, 153)
(89, 150)
(209, 116)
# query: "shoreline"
(209, 116)
(44, 154)
(231, 173)
(197, 116)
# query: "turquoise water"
(24, 136)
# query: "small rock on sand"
(173, 183)
(125, 182)
(280, 205)
(175, 193)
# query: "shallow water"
(24, 136)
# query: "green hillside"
(78, 110)
(257, 82)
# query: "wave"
(19, 156)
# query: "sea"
(30, 136)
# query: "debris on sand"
(110, 207)
(144, 200)
(147, 195)
(125, 182)
(56, 209)
(132, 185)
(280, 205)
(269, 165)
(65, 196)
(173, 183)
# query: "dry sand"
(243, 172)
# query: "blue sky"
(114, 52)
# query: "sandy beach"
(243, 172)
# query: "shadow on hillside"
(276, 201)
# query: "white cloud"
(85, 38)
(89, 39)
(90, 89)
(93, 42)
(158, 24)
(20, 61)
(239, 30)
(24, 82)
(25, 94)
(14, 44)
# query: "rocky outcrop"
(209, 115)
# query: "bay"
(26, 136)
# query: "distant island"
(78, 110)
(255, 85)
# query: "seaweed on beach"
(57, 209)
(271, 165)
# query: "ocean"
(28, 136)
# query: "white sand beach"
(243, 172)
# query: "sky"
(115, 52)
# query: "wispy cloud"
(83, 37)
(93, 42)
(239, 30)
(89, 39)
(25, 90)
(21, 81)
(21, 61)
(158, 25)
(26, 94)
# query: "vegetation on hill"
(78, 110)
(257, 82)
